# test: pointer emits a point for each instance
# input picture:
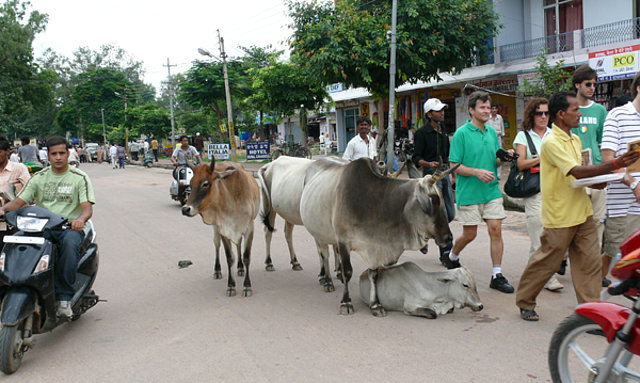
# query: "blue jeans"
(68, 243)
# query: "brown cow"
(227, 197)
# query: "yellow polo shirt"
(562, 204)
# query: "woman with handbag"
(527, 144)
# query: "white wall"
(512, 19)
(534, 19)
(598, 12)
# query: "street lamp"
(232, 138)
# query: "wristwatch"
(633, 185)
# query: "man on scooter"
(184, 152)
(65, 191)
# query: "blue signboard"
(258, 150)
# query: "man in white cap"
(432, 154)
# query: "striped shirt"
(621, 127)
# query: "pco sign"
(624, 60)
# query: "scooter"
(598, 341)
(148, 159)
(27, 264)
(181, 185)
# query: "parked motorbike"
(148, 159)
(181, 185)
(598, 341)
(27, 264)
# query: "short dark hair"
(582, 73)
(478, 95)
(4, 143)
(183, 137)
(25, 140)
(56, 140)
(363, 119)
(622, 100)
(494, 105)
(559, 102)
(634, 85)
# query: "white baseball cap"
(433, 104)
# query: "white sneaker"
(553, 284)
(64, 309)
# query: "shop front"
(616, 68)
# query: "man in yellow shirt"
(154, 147)
(566, 211)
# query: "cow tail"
(266, 200)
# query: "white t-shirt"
(621, 127)
(357, 148)
(497, 124)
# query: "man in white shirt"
(496, 122)
(621, 127)
(113, 153)
(361, 145)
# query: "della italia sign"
(615, 64)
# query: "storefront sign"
(615, 64)
(505, 84)
(218, 151)
(333, 88)
(347, 104)
(258, 150)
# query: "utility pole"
(126, 128)
(173, 128)
(232, 136)
(104, 132)
(392, 88)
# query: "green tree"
(149, 120)
(348, 42)
(549, 79)
(285, 87)
(23, 86)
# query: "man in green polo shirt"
(478, 196)
(590, 133)
(65, 191)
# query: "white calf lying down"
(410, 289)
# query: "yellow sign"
(624, 60)
(223, 128)
(364, 109)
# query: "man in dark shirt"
(432, 154)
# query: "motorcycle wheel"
(11, 350)
(577, 356)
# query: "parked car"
(91, 149)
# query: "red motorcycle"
(578, 353)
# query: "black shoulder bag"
(523, 183)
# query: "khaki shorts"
(471, 215)
(616, 230)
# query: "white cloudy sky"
(151, 31)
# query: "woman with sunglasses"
(535, 123)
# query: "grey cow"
(410, 289)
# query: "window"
(562, 16)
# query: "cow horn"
(213, 163)
(441, 175)
(382, 167)
(396, 174)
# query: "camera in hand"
(504, 155)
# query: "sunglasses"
(540, 113)
(589, 84)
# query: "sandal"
(529, 315)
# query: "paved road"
(164, 324)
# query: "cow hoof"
(328, 287)
(346, 308)
(426, 313)
(247, 292)
(296, 267)
(270, 267)
(231, 292)
(241, 272)
(450, 310)
(340, 278)
(378, 311)
(217, 275)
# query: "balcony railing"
(525, 49)
(611, 33)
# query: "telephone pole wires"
(232, 138)
(173, 124)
